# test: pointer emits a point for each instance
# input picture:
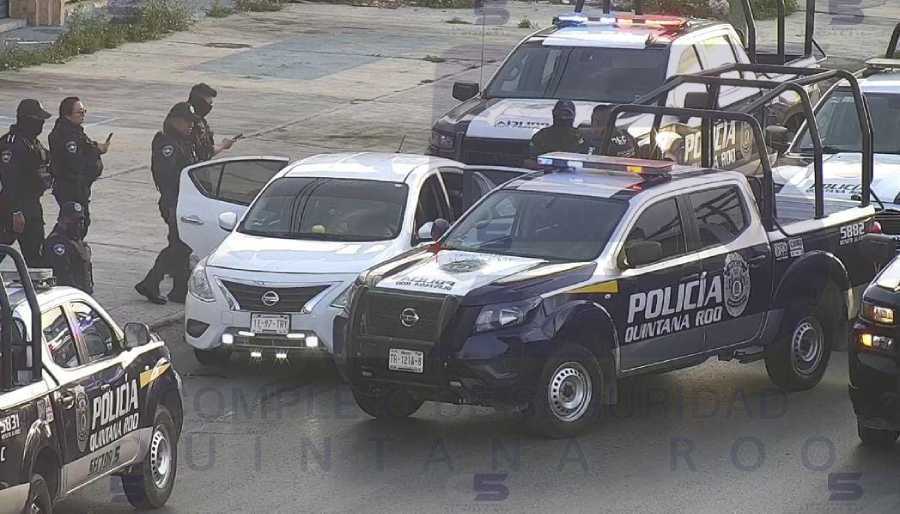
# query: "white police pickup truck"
(80, 398)
(561, 282)
(610, 59)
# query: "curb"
(167, 321)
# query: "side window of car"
(59, 338)
(430, 206)
(242, 180)
(206, 179)
(689, 62)
(717, 51)
(99, 338)
(721, 215)
(660, 223)
(453, 181)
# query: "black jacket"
(204, 144)
(70, 259)
(74, 158)
(170, 155)
(23, 171)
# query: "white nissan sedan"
(276, 270)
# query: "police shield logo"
(6, 157)
(72, 147)
(82, 418)
(168, 151)
(736, 277)
(746, 139)
(463, 266)
(59, 249)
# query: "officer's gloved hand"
(18, 222)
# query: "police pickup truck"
(560, 282)
(611, 59)
(80, 398)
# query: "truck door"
(211, 188)
(737, 265)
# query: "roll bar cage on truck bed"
(705, 109)
(7, 324)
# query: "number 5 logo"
(490, 487)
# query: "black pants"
(31, 240)
(67, 194)
(173, 260)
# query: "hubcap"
(570, 392)
(806, 347)
(160, 458)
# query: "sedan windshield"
(328, 209)
(613, 75)
(556, 227)
(839, 124)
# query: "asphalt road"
(716, 438)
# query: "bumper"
(874, 381)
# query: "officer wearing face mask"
(172, 151)
(66, 251)
(562, 136)
(201, 100)
(25, 177)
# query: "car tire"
(397, 404)
(799, 356)
(38, 496)
(567, 400)
(876, 437)
(151, 487)
(215, 357)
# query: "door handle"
(758, 260)
(193, 220)
(67, 400)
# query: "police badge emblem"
(6, 157)
(72, 147)
(736, 282)
(82, 418)
(168, 151)
(463, 266)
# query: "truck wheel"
(568, 396)
(396, 404)
(216, 357)
(797, 359)
(151, 488)
(876, 437)
(38, 497)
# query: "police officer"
(66, 251)
(622, 143)
(562, 136)
(201, 99)
(172, 151)
(74, 157)
(24, 175)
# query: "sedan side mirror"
(463, 91)
(433, 230)
(227, 221)
(778, 138)
(136, 335)
(424, 233)
(640, 253)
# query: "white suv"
(275, 283)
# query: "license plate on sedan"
(406, 360)
(279, 324)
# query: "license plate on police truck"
(406, 360)
(279, 324)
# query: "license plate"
(270, 323)
(406, 360)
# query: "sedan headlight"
(442, 141)
(877, 313)
(199, 284)
(505, 315)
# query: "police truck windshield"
(327, 209)
(839, 125)
(612, 75)
(557, 227)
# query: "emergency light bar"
(42, 278)
(645, 167)
(649, 21)
(883, 64)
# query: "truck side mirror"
(778, 138)
(463, 91)
(136, 335)
(227, 221)
(640, 253)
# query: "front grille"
(495, 152)
(290, 299)
(384, 314)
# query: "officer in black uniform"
(74, 157)
(201, 99)
(562, 136)
(25, 176)
(622, 143)
(172, 151)
(67, 252)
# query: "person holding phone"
(201, 100)
(75, 159)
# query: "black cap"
(564, 110)
(31, 108)
(182, 110)
(203, 89)
(71, 210)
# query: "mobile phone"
(109, 137)
(239, 136)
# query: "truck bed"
(791, 208)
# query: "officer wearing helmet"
(67, 252)
(562, 136)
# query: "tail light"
(874, 228)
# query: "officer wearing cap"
(74, 157)
(201, 99)
(172, 151)
(67, 252)
(24, 176)
(562, 136)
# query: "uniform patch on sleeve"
(59, 249)
(168, 151)
(72, 147)
(6, 156)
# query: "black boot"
(150, 292)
